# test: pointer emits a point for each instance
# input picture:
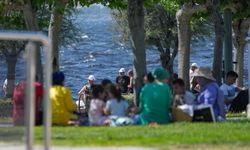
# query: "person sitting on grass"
(19, 102)
(148, 78)
(210, 93)
(85, 94)
(106, 83)
(235, 98)
(182, 101)
(116, 105)
(122, 80)
(155, 100)
(63, 107)
(97, 105)
(181, 96)
(86, 89)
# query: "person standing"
(156, 99)
(5, 87)
(131, 81)
(123, 81)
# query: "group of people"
(103, 104)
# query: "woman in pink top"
(97, 105)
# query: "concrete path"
(21, 147)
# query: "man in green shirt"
(155, 99)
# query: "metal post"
(228, 44)
(35, 37)
(47, 104)
(248, 106)
(30, 95)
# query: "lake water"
(97, 53)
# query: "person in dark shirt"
(123, 81)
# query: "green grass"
(218, 134)
(225, 135)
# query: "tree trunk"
(32, 25)
(218, 46)
(184, 37)
(54, 31)
(228, 46)
(240, 33)
(136, 26)
(183, 17)
(11, 73)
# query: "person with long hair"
(116, 105)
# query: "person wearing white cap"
(194, 67)
(192, 70)
(86, 89)
(123, 81)
(86, 92)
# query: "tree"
(241, 27)
(184, 16)
(11, 50)
(55, 28)
(136, 25)
(218, 44)
(32, 25)
(161, 29)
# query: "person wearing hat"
(87, 89)
(193, 67)
(85, 94)
(123, 81)
(61, 101)
(156, 99)
(210, 92)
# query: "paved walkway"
(21, 147)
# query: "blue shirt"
(211, 94)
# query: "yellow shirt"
(62, 105)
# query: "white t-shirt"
(117, 108)
(229, 91)
(96, 112)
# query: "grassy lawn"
(182, 134)
(227, 135)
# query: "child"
(116, 105)
(97, 106)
